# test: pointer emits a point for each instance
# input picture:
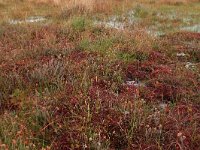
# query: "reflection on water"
(111, 24)
(194, 28)
(130, 18)
(31, 19)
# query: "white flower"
(180, 54)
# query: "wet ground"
(155, 23)
(31, 19)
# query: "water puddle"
(190, 65)
(119, 22)
(155, 33)
(169, 16)
(130, 18)
(125, 21)
(135, 83)
(31, 19)
(187, 20)
(111, 24)
(194, 28)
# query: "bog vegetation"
(99, 75)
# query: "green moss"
(140, 12)
(126, 57)
(100, 45)
(84, 45)
(79, 24)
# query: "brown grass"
(177, 1)
(106, 5)
(91, 5)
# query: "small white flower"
(163, 106)
(131, 82)
(181, 54)
(126, 112)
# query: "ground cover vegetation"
(100, 75)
